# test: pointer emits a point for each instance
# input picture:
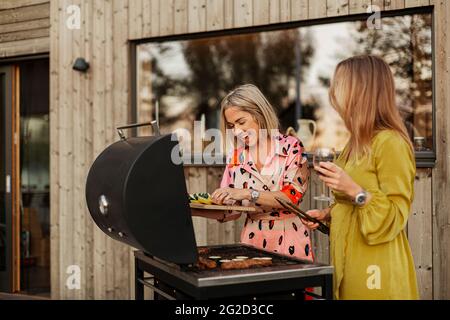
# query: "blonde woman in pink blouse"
(264, 164)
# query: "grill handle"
(154, 125)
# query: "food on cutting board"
(201, 197)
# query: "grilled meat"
(204, 263)
(245, 264)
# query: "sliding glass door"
(24, 177)
(6, 221)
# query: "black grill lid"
(137, 195)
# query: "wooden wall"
(24, 27)
(85, 108)
(440, 182)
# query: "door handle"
(8, 183)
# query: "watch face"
(360, 199)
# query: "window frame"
(424, 159)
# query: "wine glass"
(323, 155)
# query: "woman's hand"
(230, 195)
(337, 179)
(321, 215)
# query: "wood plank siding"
(86, 107)
(24, 27)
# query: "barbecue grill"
(137, 195)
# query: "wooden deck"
(16, 296)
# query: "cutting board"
(221, 207)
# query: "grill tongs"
(303, 215)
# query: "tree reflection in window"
(188, 78)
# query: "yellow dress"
(368, 245)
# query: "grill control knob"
(103, 204)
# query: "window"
(184, 80)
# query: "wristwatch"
(254, 195)
(361, 198)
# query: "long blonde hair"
(249, 98)
(363, 93)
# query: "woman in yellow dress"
(373, 185)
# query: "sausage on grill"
(204, 263)
(245, 264)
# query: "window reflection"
(34, 177)
(179, 81)
(3, 231)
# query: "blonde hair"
(363, 93)
(249, 98)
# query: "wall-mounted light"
(81, 65)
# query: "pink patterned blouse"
(286, 170)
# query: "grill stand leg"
(138, 277)
(327, 289)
